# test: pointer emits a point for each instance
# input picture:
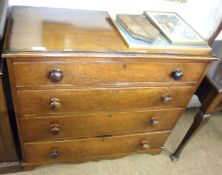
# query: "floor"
(201, 156)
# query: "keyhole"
(124, 66)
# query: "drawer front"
(97, 125)
(71, 73)
(86, 149)
(101, 99)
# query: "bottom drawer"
(94, 148)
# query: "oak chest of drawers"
(81, 94)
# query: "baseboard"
(10, 167)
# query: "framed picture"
(176, 30)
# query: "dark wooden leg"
(199, 121)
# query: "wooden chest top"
(34, 30)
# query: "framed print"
(176, 30)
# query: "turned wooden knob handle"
(55, 129)
(154, 121)
(166, 98)
(54, 153)
(55, 75)
(55, 103)
(145, 145)
(177, 74)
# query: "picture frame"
(174, 28)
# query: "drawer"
(97, 125)
(88, 149)
(101, 99)
(105, 72)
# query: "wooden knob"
(154, 121)
(177, 74)
(55, 75)
(55, 129)
(55, 103)
(166, 98)
(145, 145)
(54, 153)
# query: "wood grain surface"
(114, 72)
(36, 30)
(7, 145)
(101, 99)
(98, 124)
(86, 149)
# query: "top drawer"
(111, 72)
